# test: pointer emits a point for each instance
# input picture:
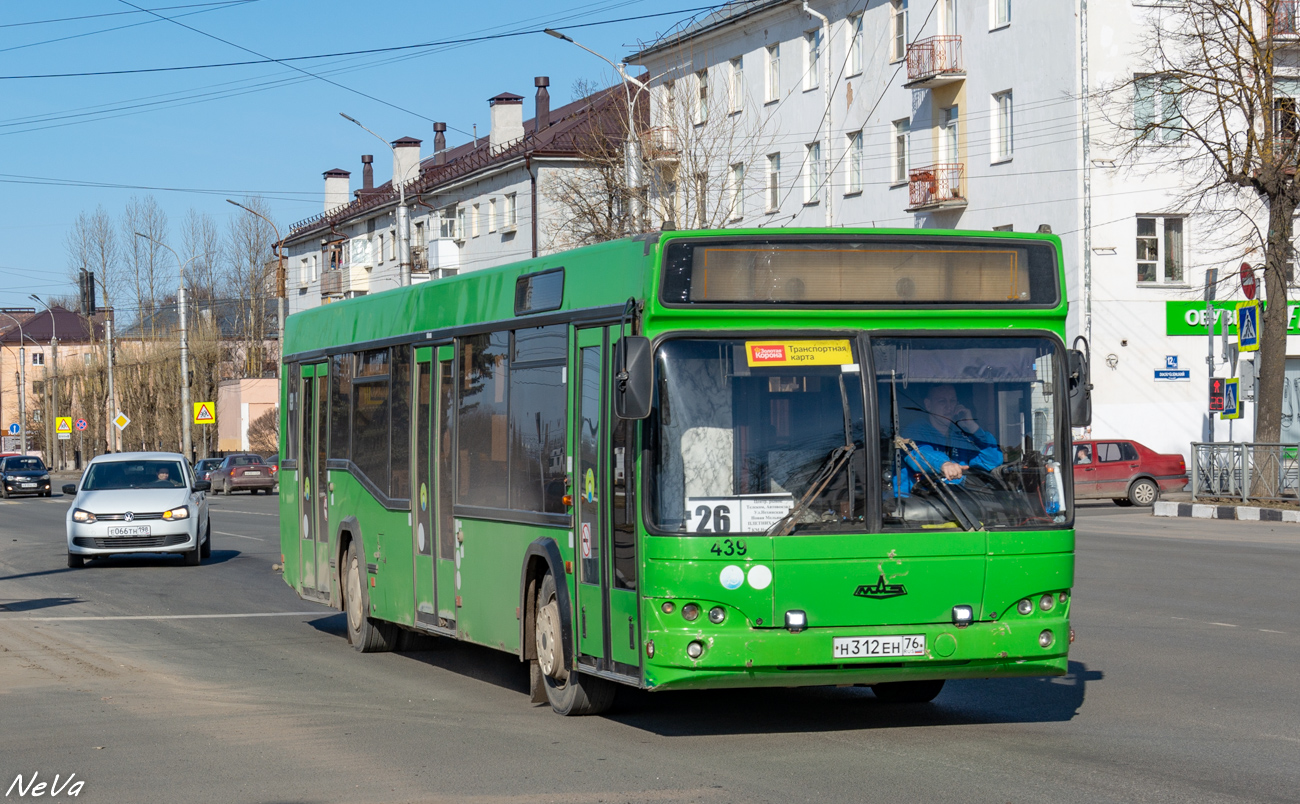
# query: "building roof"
(228, 313)
(569, 124)
(40, 327)
(701, 24)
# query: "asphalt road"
(154, 682)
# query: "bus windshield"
(759, 434)
(967, 427)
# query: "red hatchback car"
(242, 471)
(1125, 471)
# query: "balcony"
(333, 283)
(936, 188)
(419, 260)
(934, 62)
(659, 143)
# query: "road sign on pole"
(121, 420)
(204, 413)
(1216, 394)
(1248, 326)
(63, 424)
(80, 424)
(15, 429)
(1249, 285)
(1231, 400)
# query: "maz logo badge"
(881, 590)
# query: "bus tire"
(568, 692)
(1143, 492)
(908, 692)
(365, 633)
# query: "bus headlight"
(1046, 602)
(1025, 606)
(717, 614)
(690, 612)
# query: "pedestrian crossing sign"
(63, 424)
(1231, 399)
(1248, 326)
(204, 413)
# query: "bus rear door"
(313, 500)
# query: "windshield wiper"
(834, 462)
(942, 490)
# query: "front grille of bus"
(121, 542)
(122, 517)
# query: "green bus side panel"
(1011, 578)
(290, 527)
(386, 538)
(491, 560)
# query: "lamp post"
(51, 388)
(403, 214)
(631, 151)
(22, 384)
(280, 279)
(185, 346)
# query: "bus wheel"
(907, 691)
(568, 692)
(364, 633)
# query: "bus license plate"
(129, 530)
(878, 647)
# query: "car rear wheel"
(227, 487)
(75, 561)
(908, 692)
(1143, 492)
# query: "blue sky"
(70, 144)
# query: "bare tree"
(201, 245)
(1210, 85)
(146, 261)
(93, 246)
(264, 433)
(250, 280)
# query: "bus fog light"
(1064, 597)
(695, 649)
(1046, 639)
(1025, 606)
(667, 607)
(962, 616)
(717, 614)
(690, 611)
(1046, 602)
(795, 621)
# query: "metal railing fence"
(1245, 471)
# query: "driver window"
(1083, 454)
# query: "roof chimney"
(439, 143)
(406, 160)
(367, 172)
(543, 117)
(336, 188)
(507, 123)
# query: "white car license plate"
(129, 530)
(252, 474)
(878, 647)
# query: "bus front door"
(441, 488)
(607, 627)
(312, 510)
(423, 503)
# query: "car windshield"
(24, 465)
(137, 474)
(207, 463)
(966, 428)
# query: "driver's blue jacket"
(979, 449)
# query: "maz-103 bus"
(700, 459)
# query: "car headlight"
(79, 515)
(45, 477)
(177, 513)
(10, 477)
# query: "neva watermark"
(35, 789)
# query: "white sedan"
(138, 502)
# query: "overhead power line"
(122, 13)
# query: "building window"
(948, 18)
(1286, 119)
(38, 358)
(702, 98)
(1006, 227)
(898, 152)
(383, 252)
(1003, 131)
(476, 220)
(492, 214)
(773, 89)
(458, 231)
(512, 209)
(736, 191)
(853, 164)
(854, 29)
(1001, 13)
(898, 29)
(737, 84)
(1156, 113)
(812, 44)
(304, 268)
(813, 172)
(1160, 250)
(773, 182)
(951, 142)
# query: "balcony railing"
(660, 142)
(936, 187)
(934, 61)
(1286, 18)
(419, 259)
(332, 282)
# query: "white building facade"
(971, 114)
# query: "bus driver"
(948, 441)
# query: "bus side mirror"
(633, 377)
(1079, 384)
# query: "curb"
(1248, 513)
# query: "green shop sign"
(1188, 317)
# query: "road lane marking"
(239, 535)
(1225, 625)
(1271, 631)
(171, 616)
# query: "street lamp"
(22, 384)
(280, 278)
(185, 345)
(632, 152)
(51, 389)
(403, 214)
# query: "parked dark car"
(242, 471)
(23, 474)
(203, 469)
(1125, 471)
(273, 461)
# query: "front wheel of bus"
(907, 692)
(568, 692)
(365, 634)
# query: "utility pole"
(51, 387)
(22, 384)
(112, 395)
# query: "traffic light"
(1216, 394)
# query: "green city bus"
(699, 459)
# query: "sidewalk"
(1179, 503)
